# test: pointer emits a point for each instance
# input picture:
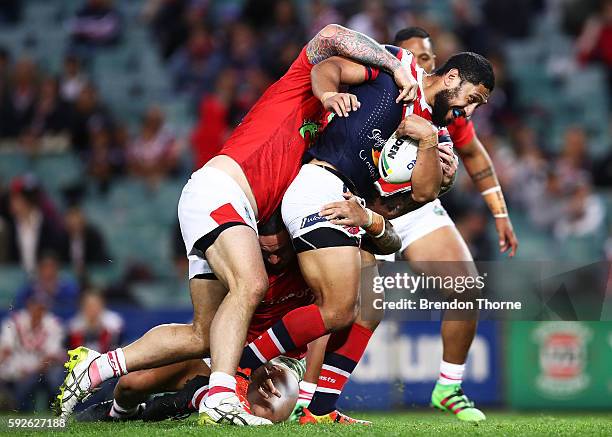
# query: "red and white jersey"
(419, 107)
(267, 144)
(104, 336)
(287, 291)
(28, 347)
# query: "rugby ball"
(397, 159)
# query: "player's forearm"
(325, 78)
(479, 166)
(427, 174)
(386, 244)
(336, 40)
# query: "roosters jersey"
(353, 144)
(269, 143)
(287, 291)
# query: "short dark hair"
(410, 32)
(274, 224)
(474, 68)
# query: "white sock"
(306, 392)
(451, 373)
(107, 366)
(118, 412)
(221, 386)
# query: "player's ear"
(451, 78)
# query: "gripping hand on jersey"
(340, 103)
(406, 82)
(349, 212)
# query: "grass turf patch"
(421, 423)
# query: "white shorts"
(210, 200)
(312, 188)
(418, 223)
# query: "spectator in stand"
(105, 158)
(213, 127)
(322, 14)
(583, 214)
(83, 244)
(28, 223)
(595, 42)
(88, 117)
(31, 353)
(72, 79)
(19, 100)
(469, 27)
(188, 65)
(95, 326)
(153, 154)
(546, 201)
(51, 113)
(96, 24)
(169, 23)
(286, 30)
(5, 70)
(574, 159)
(374, 20)
(62, 293)
(241, 53)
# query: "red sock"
(344, 350)
(296, 329)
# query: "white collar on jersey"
(424, 104)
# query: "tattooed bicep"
(324, 43)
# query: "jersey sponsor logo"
(311, 220)
(299, 294)
(364, 157)
(379, 141)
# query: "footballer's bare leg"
(341, 354)
(162, 345)
(236, 259)
(135, 388)
(333, 273)
(451, 256)
(172, 343)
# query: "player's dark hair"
(410, 32)
(472, 67)
(274, 224)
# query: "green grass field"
(421, 423)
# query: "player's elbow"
(424, 195)
(330, 30)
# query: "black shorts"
(321, 238)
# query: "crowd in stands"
(221, 57)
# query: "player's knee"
(127, 386)
(252, 290)
(339, 315)
(200, 338)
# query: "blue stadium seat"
(11, 280)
